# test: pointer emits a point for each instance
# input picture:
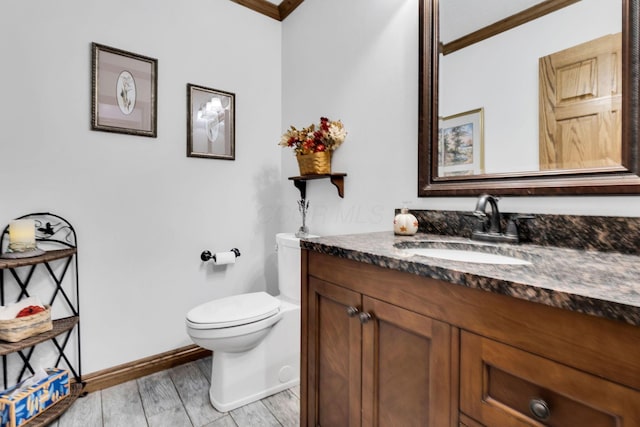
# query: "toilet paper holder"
(207, 255)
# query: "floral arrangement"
(327, 136)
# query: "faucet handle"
(476, 214)
(481, 217)
(524, 216)
(512, 228)
(514, 222)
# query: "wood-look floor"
(177, 397)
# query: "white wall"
(357, 60)
(143, 211)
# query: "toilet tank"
(288, 247)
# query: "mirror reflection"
(544, 96)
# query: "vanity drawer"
(503, 386)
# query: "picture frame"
(461, 144)
(211, 123)
(124, 94)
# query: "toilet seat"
(233, 311)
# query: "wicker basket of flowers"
(314, 145)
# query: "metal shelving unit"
(57, 237)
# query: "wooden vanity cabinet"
(420, 351)
(334, 356)
(373, 363)
(406, 375)
(501, 385)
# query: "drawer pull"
(539, 409)
(352, 311)
(364, 317)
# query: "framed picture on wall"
(124, 91)
(461, 144)
(211, 123)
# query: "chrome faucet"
(492, 233)
(481, 211)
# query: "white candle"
(22, 235)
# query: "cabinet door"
(406, 368)
(334, 356)
(504, 386)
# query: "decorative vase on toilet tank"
(313, 145)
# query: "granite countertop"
(604, 284)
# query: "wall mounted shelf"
(336, 179)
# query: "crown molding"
(288, 6)
(277, 12)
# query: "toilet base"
(245, 400)
(272, 366)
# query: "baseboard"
(139, 368)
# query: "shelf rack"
(57, 237)
(336, 179)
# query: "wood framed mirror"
(442, 121)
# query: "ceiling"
(468, 15)
(461, 17)
(275, 9)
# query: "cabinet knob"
(539, 409)
(364, 317)
(352, 311)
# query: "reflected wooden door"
(580, 99)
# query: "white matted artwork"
(124, 91)
(461, 144)
(210, 123)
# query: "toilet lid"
(235, 310)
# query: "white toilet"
(255, 337)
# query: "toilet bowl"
(234, 324)
(255, 337)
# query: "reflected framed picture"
(461, 144)
(211, 121)
(123, 92)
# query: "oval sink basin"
(466, 256)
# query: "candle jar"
(22, 235)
